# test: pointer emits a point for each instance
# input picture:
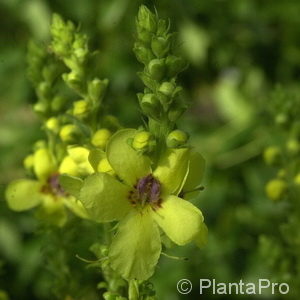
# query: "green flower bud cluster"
(155, 49)
(285, 107)
(43, 71)
(71, 47)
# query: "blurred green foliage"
(238, 51)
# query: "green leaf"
(136, 248)
(71, 184)
(23, 194)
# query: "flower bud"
(68, 166)
(28, 162)
(276, 189)
(41, 107)
(52, 124)
(141, 140)
(146, 19)
(144, 35)
(81, 108)
(43, 163)
(143, 54)
(272, 156)
(281, 119)
(44, 89)
(167, 88)
(156, 68)
(175, 65)
(58, 103)
(293, 146)
(97, 88)
(39, 144)
(160, 46)
(177, 138)
(69, 133)
(101, 137)
(80, 156)
(105, 167)
(73, 79)
(150, 105)
(297, 179)
(281, 173)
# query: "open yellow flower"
(144, 201)
(44, 191)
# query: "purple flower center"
(147, 190)
(53, 187)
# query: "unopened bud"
(69, 133)
(52, 124)
(58, 103)
(156, 68)
(143, 54)
(41, 107)
(272, 156)
(293, 146)
(39, 144)
(177, 138)
(68, 166)
(97, 88)
(28, 162)
(297, 179)
(81, 108)
(160, 46)
(101, 137)
(167, 88)
(150, 105)
(281, 119)
(175, 65)
(146, 19)
(73, 79)
(276, 189)
(141, 140)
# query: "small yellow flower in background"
(142, 200)
(276, 189)
(76, 163)
(53, 124)
(81, 108)
(28, 162)
(101, 137)
(45, 191)
(69, 133)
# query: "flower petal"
(76, 207)
(172, 170)
(23, 194)
(195, 175)
(201, 237)
(127, 163)
(71, 184)
(179, 219)
(104, 197)
(136, 248)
